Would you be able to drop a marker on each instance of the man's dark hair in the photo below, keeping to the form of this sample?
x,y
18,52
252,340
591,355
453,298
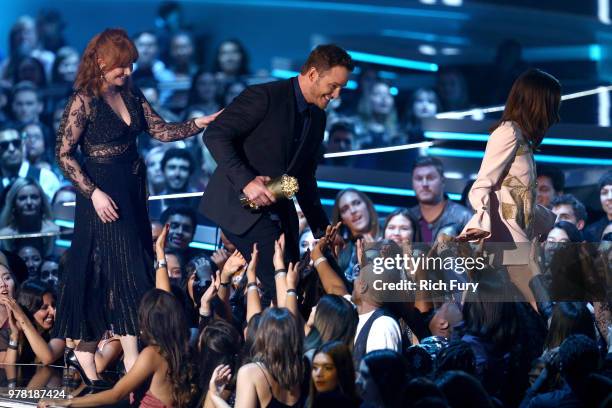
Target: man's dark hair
x,y
605,180
555,175
326,56
426,161
342,126
180,210
458,355
176,153
25,86
569,199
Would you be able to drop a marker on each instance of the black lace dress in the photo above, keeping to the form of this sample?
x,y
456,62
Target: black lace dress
x,y
109,266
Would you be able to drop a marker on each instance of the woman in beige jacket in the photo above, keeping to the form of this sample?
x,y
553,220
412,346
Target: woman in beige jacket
x,y
503,195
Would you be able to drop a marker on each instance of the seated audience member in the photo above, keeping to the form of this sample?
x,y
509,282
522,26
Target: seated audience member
x,y
26,210
13,165
381,379
231,61
155,175
378,117
398,227
33,259
35,147
567,208
435,213
333,376
49,273
177,167
341,139
359,220
182,222
307,242
594,231
550,184
204,93
149,67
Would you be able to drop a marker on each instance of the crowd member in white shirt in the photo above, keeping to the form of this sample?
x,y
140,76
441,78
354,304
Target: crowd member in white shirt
x,y
376,329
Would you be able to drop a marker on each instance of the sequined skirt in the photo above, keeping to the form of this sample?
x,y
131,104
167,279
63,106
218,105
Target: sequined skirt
x,y
109,267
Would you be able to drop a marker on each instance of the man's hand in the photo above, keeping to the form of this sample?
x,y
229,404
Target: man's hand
x,y
257,192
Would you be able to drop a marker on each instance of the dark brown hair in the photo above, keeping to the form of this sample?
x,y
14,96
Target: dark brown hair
x,y
325,57
279,346
533,104
163,324
115,48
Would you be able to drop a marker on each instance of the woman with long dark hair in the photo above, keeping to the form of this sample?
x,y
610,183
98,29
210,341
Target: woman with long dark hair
x,y
110,265
333,376
164,361
503,194
274,377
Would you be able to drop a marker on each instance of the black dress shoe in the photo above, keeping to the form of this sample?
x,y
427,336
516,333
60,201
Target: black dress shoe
x,y
73,361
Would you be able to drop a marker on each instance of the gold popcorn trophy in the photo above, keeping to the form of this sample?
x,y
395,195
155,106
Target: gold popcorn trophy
x,y
284,186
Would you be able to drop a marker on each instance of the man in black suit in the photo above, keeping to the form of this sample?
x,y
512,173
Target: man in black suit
x,y
267,131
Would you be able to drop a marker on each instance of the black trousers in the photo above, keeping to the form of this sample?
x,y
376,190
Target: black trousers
x,y
264,232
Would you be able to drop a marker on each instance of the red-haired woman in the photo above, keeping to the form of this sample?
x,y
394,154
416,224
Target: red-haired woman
x,y
110,264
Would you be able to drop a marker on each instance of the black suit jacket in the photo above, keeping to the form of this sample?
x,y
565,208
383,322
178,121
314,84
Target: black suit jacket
x,y
254,136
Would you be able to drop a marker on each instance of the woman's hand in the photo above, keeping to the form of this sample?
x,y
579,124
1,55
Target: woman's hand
x,y
203,121
15,311
219,379
209,294
219,257
293,275
105,206
46,403
160,244
233,264
279,253
473,234
252,268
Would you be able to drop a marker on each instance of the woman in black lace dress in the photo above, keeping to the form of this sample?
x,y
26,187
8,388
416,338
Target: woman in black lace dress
x,y
110,262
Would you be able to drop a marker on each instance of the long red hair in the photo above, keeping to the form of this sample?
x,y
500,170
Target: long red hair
x,y
114,47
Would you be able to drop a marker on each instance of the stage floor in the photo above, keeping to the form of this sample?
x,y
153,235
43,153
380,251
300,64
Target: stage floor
x,y
23,385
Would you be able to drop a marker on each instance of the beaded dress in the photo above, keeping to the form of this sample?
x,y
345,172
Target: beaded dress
x,y
109,265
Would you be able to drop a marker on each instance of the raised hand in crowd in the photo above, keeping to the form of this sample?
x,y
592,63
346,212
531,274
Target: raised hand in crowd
x,y
162,280
209,294
219,257
218,381
280,270
253,299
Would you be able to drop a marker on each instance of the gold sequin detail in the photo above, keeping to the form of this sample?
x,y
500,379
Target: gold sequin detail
x,y
521,209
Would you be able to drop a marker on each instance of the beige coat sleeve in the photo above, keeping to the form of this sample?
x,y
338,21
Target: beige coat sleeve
x,y
499,154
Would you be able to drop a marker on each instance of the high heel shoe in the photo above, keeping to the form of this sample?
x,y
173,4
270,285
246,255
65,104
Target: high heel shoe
x,y
71,360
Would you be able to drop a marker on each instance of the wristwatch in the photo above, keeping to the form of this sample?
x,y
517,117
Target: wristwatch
x,y
160,263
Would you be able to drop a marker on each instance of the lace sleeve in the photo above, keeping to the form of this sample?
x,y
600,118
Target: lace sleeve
x,y
159,129
70,130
